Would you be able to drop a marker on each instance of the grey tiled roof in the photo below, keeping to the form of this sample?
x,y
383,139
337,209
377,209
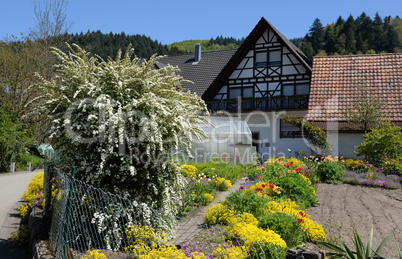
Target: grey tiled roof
x,y
204,72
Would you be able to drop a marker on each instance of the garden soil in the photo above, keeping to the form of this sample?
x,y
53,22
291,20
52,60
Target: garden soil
x,y
344,207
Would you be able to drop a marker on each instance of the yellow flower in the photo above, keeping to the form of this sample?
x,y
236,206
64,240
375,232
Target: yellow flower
x,y
252,234
311,230
95,254
222,252
209,197
188,170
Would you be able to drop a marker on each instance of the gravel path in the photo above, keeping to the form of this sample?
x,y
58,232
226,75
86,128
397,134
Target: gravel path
x,y
344,207
191,225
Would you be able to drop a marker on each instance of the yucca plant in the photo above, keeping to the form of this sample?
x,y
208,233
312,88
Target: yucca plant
x,y
362,252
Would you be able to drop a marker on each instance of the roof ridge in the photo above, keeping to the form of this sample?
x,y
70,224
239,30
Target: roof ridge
x,y
356,55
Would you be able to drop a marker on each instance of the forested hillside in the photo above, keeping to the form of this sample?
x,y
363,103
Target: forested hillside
x,y
107,45
219,43
362,35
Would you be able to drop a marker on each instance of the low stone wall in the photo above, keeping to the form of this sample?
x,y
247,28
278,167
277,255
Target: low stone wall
x,y
305,253
38,239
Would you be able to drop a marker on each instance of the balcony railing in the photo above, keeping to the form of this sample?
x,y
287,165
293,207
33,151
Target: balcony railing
x,y
260,104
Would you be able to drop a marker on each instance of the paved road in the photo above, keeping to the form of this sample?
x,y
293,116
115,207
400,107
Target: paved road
x,y
12,186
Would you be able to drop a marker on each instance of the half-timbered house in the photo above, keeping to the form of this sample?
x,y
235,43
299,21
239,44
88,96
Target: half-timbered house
x,y
267,77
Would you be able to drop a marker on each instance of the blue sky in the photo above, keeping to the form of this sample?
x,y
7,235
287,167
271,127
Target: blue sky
x,y
172,21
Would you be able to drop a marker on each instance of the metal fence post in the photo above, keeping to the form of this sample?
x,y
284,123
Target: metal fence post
x,y
69,211
47,190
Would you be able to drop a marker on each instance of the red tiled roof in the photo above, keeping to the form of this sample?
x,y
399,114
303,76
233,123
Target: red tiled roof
x,y
334,81
345,126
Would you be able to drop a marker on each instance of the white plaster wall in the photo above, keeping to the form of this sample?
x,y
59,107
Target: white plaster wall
x,y
268,126
344,143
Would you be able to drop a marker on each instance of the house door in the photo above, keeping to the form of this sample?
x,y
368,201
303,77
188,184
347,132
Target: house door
x,y
256,143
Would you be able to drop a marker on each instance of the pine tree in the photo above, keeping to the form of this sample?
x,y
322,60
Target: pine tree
x,y
331,36
379,37
391,37
307,49
316,35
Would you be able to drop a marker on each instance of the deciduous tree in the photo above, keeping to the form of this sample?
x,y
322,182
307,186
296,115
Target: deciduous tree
x,y
367,109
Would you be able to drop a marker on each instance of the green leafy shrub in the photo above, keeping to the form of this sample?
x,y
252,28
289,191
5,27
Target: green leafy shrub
x,y
221,184
267,250
285,225
20,236
330,172
250,202
23,159
356,165
199,192
227,170
310,173
393,166
13,137
294,186
382,144
316,136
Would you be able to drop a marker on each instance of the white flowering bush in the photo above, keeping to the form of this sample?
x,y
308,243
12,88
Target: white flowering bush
x,y
121,122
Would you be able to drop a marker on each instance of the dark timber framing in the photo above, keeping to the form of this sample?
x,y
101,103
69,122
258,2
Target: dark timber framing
x,y
260,85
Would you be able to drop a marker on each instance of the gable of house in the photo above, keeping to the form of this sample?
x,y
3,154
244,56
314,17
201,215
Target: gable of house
x,y
268,72
334,81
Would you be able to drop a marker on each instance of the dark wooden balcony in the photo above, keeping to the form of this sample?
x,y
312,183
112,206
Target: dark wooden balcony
x,y
259,104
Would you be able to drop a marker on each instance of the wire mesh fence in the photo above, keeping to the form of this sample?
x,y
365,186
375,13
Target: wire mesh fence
x,y
87,218
90,223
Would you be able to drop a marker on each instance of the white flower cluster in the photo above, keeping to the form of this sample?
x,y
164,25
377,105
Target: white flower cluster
x,y
122,122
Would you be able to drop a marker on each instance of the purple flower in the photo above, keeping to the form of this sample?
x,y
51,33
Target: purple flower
x,y
381,183
39,202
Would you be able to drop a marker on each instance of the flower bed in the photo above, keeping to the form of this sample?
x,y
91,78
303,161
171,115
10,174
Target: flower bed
x,y
374,179
205,179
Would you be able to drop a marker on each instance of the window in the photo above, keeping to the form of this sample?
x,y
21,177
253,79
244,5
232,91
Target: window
x,y
275,58
234,93
289,131
271,58
302,89
261,59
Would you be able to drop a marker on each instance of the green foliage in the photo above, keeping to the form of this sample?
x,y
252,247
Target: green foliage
x,y
227,170
330,172
285,225
107,45
368,109
247,202
354,36
20,236
392,166
23,159
316,136
381,144
13,137
294,187
361,251
267,250
219,43
356,165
